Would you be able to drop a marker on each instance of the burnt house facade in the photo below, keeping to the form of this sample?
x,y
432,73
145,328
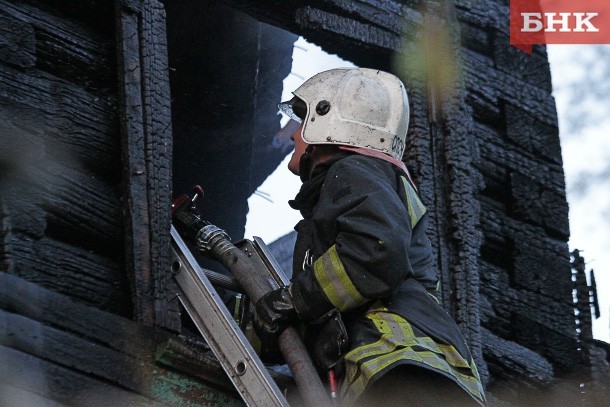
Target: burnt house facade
x,y
109,108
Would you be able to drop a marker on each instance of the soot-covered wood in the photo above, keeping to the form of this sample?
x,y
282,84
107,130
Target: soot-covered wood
x,y
146,150
61,223
490,174
78,353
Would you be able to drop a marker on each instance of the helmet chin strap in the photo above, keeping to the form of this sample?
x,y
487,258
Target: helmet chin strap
x,y
305,163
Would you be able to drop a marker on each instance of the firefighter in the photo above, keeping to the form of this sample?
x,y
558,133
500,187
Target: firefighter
x,y
362,252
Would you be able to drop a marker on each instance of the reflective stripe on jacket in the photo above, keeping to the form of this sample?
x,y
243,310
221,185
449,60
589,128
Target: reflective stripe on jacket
x,y
386,340
365,229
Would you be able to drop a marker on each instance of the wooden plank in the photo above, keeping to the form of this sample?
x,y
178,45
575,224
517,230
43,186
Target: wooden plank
x,y
88,341
365,32
394,16
157,127
188,354
80,127
532,135
73,271
23,162
29,380
18,42
88,358
43,195
539,264
136,214
67,45
80,206
496,86
313,19
507,301
54,309
146,143
532,68
533,202
70,351
496,158
507,358
456,188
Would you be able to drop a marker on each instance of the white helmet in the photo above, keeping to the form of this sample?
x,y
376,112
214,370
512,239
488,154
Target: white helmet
x,y
355,107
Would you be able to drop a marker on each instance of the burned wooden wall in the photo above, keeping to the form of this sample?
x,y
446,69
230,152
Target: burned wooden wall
x,y
61,185
86,155
88,313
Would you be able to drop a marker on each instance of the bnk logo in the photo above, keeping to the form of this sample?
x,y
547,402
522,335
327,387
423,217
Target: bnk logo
x,y
559,22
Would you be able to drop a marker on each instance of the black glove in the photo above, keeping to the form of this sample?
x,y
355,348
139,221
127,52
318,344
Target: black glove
x,y
273,312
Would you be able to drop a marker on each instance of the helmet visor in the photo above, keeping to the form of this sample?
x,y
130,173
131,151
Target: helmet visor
x,y
294,108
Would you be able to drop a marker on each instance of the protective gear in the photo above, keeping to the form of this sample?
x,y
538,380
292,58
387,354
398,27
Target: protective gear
x,y
326,340
273,312
365,228
353,106
295,108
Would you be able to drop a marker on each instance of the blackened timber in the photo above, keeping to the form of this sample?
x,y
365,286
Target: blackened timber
x,y
88,358
537,256
189,354
158,133
493,14
364,32
80,127
509,301
136,216
63,340
458,202
40,382
71,270
146,128
507,360
332,24
62,311
19,44
392,16
497,156
496,86
536,137
66,48
89,211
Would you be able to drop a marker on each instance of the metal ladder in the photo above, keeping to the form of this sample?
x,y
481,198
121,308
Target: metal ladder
x,y
215,323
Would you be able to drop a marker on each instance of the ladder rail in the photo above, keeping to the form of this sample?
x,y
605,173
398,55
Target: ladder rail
x,y
237,357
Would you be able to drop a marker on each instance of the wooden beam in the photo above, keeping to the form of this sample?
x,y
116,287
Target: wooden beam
x,y
146,144
63,350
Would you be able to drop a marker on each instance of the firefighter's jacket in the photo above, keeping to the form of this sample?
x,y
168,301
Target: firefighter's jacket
x,y
362,248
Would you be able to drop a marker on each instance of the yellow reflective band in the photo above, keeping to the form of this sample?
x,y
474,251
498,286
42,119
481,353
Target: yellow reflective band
x,y
453,357
396,343
415,206
372,367
384,345
393,325
395,331
335,282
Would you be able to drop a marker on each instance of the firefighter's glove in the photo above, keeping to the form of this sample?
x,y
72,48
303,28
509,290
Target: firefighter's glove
x,y
188,222
273,312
